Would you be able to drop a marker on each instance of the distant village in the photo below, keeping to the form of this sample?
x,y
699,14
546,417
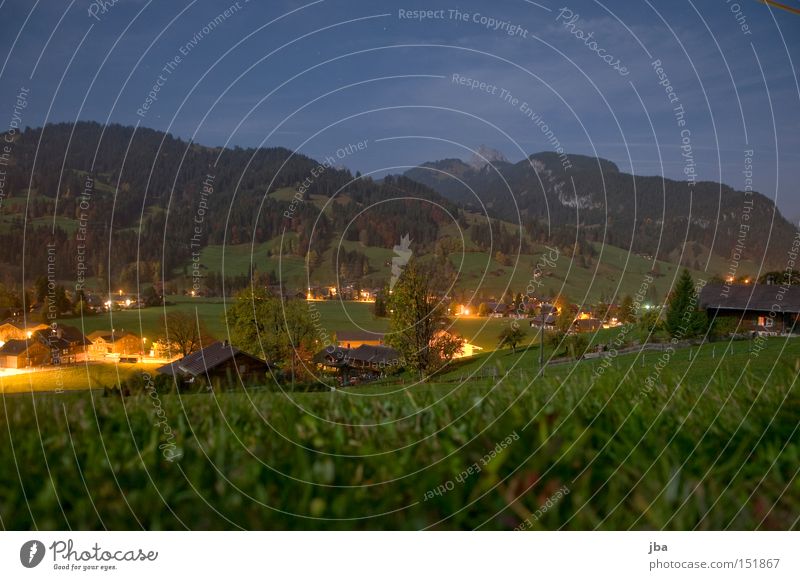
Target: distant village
x,y
361,356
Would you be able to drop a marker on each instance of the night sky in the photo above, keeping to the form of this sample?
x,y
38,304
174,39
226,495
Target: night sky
x,y
323,75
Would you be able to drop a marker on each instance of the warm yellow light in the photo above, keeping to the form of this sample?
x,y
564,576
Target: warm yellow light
x,y
120,292
192,292
30,334
128,302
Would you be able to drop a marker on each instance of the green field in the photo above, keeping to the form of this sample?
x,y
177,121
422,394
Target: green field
x,y
710,447
692,365
71,378
148,322
613,273
335,315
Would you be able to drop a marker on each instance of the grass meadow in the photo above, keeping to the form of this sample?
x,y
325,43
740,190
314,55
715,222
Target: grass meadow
x,y
613,272
334,315
709,444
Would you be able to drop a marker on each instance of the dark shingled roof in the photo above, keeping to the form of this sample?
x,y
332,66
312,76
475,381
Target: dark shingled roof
x,y
757,297
15,347
364,355
537,320
375,355
588,323
200,362
63,334
19,325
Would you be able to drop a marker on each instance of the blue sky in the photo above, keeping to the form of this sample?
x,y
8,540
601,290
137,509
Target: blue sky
x,y
318,76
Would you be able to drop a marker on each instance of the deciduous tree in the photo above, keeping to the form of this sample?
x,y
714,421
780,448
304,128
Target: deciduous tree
x,y
419,321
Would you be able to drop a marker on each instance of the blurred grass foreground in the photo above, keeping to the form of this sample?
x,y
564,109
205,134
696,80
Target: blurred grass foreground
x,y
610,450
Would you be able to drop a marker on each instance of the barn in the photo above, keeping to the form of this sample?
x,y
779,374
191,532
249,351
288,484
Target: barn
x,y
763,308
219,362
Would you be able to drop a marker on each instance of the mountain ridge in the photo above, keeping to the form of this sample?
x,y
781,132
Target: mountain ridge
x,y
649,214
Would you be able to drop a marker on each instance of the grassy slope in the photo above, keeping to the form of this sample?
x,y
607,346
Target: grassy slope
x,y
148,322
334,315
708,454
78,377
614,272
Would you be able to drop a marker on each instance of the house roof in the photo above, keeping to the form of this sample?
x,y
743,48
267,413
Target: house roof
x,y
364,355
64,333
202,361
15,347
754,297
109,336
66,337
20,325
357,335
548,319
375,354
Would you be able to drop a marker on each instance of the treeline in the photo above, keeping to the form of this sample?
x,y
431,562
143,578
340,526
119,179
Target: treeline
x,y
122,196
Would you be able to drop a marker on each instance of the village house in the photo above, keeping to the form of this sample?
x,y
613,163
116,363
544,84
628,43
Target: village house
x,y
467,349
587,324
219,362
17,329
548,320
763,308
364,363
23,353
494,309
120,343
67,344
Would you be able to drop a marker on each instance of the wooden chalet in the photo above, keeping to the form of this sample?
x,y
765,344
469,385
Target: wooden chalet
x,y
219,362
22,353
763,308
363,363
